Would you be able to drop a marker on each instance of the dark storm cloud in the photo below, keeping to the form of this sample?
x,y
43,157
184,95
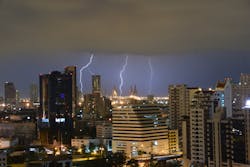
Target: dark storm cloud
x,y
141,26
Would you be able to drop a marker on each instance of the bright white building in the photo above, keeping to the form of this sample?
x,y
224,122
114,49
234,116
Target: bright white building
x,y
139,127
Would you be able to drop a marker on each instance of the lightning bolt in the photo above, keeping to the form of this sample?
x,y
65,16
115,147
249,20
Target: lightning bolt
x,y
84,67
151,76
91,72
121,72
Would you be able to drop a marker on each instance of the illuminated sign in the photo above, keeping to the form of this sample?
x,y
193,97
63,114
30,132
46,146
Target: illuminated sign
x,y
60,119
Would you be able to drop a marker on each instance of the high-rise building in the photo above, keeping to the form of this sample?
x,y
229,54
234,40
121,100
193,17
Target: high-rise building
x,y
224,95
56,107
201,109
96,106
9,93
72,71
139,127
180,97
177,104
218,139
33,93
227,139
96,84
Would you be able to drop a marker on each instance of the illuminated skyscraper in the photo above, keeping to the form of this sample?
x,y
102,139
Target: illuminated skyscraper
x,y
139,126
56,106
9,93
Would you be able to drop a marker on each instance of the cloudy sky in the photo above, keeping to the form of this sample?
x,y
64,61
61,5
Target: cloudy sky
x,y
194,42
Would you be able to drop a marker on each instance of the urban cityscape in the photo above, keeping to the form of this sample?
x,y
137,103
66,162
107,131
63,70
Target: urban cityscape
x,y
124,83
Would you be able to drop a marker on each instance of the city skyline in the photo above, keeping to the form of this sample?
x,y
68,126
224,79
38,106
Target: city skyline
x,y
195,70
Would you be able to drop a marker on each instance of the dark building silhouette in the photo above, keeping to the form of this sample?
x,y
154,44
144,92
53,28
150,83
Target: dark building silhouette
x,y
9,93
226,140
56,106
72,71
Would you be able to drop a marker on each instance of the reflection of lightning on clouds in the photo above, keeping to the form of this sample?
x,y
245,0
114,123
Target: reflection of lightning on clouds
x,y
84,67
151,76
121,76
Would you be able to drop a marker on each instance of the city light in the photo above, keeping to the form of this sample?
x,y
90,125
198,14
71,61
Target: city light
x,y
247,104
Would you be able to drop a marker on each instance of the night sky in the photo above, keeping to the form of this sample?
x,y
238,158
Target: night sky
x,y
193,42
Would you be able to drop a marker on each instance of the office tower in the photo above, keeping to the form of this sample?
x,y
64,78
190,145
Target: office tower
x,y
72,71
139,127
33,93
201,109
56,107
9,93
96,84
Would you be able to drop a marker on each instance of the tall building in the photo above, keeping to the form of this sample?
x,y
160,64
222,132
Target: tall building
x,y
71,70
228,139
56,107
96,106
177,104
33,93
139,127
96,84
218,139
9,93
201,109
224,95
180,97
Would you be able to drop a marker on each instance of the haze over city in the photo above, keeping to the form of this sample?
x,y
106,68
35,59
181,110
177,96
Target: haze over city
x,y
208,40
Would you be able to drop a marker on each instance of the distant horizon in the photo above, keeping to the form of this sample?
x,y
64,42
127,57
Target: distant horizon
x,y
197,70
